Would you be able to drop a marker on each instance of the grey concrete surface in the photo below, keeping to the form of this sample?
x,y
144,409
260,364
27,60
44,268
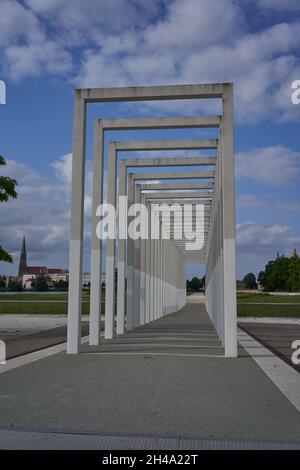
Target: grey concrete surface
x,y
187,332
13,325
150,394
275,320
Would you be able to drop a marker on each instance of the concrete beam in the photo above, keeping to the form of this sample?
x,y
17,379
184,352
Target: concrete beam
x,y
152,93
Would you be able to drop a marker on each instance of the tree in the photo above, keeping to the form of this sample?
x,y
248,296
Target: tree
x,y
281,275
14,285
195,284
40,283
276,274
7,191
293,281
60,285
260,277
250,281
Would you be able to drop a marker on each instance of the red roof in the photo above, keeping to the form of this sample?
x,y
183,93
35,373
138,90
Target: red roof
x,y
57,271
36,269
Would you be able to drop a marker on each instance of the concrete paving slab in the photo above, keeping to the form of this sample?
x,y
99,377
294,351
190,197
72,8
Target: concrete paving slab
x,y
189,331
187,396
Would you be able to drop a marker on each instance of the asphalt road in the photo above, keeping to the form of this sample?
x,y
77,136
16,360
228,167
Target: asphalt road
x,y
278,338
25,344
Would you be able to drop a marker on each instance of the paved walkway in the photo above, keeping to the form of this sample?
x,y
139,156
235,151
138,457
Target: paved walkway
x,y
165,379
188,332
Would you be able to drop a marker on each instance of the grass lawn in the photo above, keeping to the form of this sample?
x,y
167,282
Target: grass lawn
x,y
267,298
41,296
247,304
252,310
37,303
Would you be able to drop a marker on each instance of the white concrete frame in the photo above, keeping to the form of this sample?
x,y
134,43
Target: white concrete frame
x,y
137,313
132,274
165,286
114,147
226,264
100,126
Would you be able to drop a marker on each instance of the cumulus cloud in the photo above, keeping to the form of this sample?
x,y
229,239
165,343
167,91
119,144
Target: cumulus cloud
x,y
41,212
42,207
275,166
192,23
261,64
25,47
255,238
63,169
80,21
35,59
133,42
17,22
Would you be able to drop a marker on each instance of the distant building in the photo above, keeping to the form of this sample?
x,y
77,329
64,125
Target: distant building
x,y
36,270
23,259
294,254
27,281
58,275
86,279
27,274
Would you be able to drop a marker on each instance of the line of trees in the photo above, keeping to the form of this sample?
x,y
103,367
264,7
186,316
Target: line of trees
x,y
280,275
195,284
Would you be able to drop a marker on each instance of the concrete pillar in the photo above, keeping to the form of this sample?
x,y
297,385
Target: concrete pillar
x,y
229,263
96,249
143,274
136,268
76,230
110,249
130,267
122,254
148,271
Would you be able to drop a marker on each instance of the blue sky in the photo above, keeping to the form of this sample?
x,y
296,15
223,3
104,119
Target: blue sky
x,y
50,47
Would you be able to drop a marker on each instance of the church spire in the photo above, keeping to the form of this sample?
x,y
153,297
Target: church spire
x,y
23,259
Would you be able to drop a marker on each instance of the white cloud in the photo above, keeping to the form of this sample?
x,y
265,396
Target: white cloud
x,y
262,65
41,212
26,48
80,21
63,169
17,22
133,42
276,166
254,238
37,58
195,23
